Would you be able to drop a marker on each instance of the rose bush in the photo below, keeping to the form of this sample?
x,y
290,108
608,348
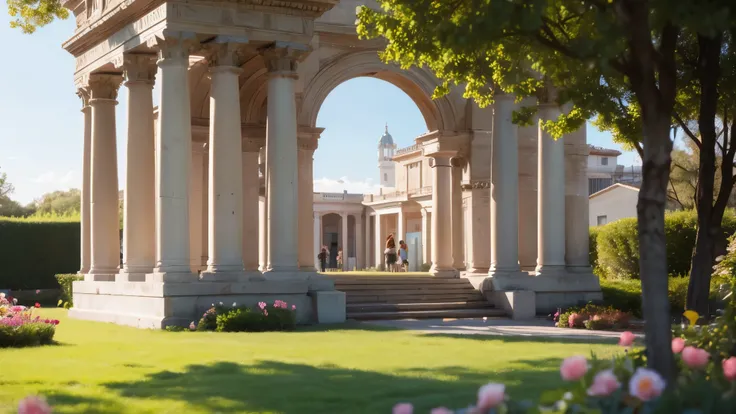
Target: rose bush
x,y
19,327
280,316
593,317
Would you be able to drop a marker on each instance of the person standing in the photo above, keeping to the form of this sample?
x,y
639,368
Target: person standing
x,y
390,253
339,260
404,255
322,256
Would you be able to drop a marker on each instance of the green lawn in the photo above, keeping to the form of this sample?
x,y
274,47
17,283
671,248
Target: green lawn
x,y
105,368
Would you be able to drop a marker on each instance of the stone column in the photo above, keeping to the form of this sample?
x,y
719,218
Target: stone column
x,y
317,238
426,237
576,203
197,200
305,155
441,211
358,241
204,224
251,184
105,225
400,226
551,198
84,225
226,167
479,229
379,244
367,244
504,191
458,239
173,153
282,163
528,162
263,233
139,226
345,250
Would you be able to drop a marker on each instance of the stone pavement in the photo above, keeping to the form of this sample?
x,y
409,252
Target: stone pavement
x,y
538,328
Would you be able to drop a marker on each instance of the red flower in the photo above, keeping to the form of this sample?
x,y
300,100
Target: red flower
x,y
46,321
37,305
55,321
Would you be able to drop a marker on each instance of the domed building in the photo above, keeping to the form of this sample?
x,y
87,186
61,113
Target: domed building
x,y
386,165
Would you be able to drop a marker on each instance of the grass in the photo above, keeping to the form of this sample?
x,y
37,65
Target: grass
x,y
105,368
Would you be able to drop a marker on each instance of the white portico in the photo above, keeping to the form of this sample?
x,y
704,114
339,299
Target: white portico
x,y
219,201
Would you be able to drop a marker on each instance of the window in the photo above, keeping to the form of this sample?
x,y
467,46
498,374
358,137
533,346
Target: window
x,y
602,220
597,184
604,160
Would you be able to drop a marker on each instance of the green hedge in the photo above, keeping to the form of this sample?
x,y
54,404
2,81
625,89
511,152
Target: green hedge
x,y
32,251
65,281
616,244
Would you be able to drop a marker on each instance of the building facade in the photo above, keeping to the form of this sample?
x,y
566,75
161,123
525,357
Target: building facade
x,y
242,82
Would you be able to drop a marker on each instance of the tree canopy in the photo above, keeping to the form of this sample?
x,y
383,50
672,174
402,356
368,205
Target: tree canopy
x,y
28,15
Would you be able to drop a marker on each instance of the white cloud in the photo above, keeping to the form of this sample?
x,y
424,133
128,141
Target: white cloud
x,y
331,185
51,177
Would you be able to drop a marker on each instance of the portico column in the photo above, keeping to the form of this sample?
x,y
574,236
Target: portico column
x,y
173,153
441,211
226,167
358,241
197,200
305,155
551,198
105,235
84,225
504,191
379,244
426,237
401,226
458,245
263,232
282,162
317,238
251,213
139,226
344,223
577,230
367,244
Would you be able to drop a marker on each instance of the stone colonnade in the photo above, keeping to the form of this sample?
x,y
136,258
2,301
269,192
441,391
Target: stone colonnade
x,y
160,242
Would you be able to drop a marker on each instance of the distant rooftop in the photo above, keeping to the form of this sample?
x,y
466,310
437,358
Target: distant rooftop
x,y
595,150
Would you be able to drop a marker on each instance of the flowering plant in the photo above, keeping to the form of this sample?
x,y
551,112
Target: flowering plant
x,y
593,317
618,386
263,317
19,327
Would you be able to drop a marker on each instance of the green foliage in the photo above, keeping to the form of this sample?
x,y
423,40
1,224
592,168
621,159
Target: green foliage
x,y
264,318
29,334
617,244
32,251
65,281
31,14
62,203
593,246
594,317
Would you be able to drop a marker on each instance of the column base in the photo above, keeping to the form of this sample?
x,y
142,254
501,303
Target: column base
x,y
243,276
100,277
550,271
443,273
176,277
128,276
476,271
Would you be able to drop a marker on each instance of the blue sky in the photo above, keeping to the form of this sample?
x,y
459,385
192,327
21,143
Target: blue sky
x,y
41,124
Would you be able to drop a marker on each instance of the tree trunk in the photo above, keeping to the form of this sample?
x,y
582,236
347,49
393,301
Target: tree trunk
x,y
708,224
652,246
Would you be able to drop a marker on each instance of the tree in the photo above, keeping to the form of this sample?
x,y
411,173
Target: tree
x,y
31,14
59,202
5,187
615,59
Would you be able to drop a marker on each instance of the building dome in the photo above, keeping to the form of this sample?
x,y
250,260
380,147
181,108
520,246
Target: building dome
x,y
386,139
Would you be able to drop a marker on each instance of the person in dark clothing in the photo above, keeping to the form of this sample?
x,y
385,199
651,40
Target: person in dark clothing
x,y
322,256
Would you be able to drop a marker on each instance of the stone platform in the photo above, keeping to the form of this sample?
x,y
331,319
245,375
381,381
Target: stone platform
x,y
155,305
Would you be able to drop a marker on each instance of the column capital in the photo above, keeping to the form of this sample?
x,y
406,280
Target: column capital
x,y
139,68
440,159
458,161
83,94
173,47
104,86
282,58
307,143
227,51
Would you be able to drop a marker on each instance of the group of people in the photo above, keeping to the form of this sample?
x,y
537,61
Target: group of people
x,y
396,262
324,255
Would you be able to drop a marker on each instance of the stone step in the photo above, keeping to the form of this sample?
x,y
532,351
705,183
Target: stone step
x,y
398,280
392,288
416,298
395,307
427,314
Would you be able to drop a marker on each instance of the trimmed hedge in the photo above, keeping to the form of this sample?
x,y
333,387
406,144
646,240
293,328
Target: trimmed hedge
x,y
32,251
65,281
617,244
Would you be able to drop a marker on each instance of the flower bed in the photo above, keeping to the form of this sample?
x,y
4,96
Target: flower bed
x,y
593,317
19,327
621,385
277,317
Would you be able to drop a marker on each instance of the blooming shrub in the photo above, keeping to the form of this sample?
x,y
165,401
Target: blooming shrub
x,y
619,386
593,317
19,328
277,317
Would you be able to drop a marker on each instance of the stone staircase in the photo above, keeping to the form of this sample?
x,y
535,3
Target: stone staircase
x,y
411,297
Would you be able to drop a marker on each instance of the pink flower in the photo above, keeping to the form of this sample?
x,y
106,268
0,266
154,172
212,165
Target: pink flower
x,y
729,368
678,344
440,410
37,305
491,395
694,357
33,405
574,368
403,408
17,309
646,384
293,307
627,338
262,305
604,383
571,320
192,326
265,312
38,291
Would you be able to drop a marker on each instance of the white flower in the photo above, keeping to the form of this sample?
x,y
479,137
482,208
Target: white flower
x,y
567,396
234,304
646,384
2,295
220,303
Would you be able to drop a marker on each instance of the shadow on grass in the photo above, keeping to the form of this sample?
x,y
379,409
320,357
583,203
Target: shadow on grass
x,y
272,386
